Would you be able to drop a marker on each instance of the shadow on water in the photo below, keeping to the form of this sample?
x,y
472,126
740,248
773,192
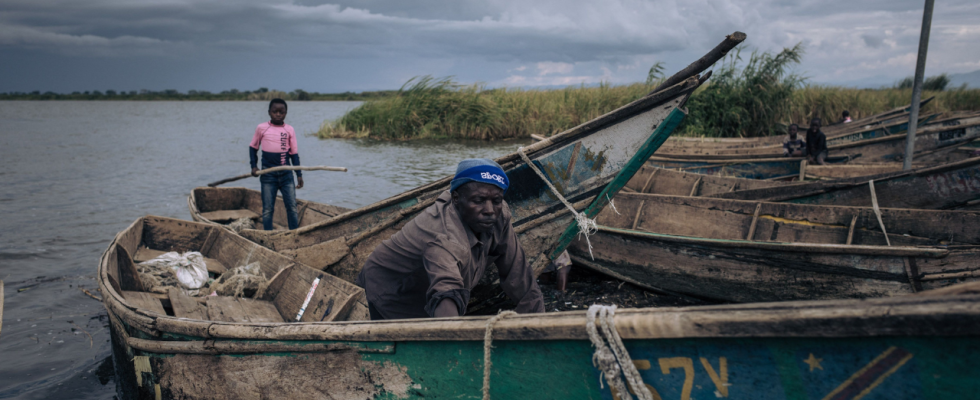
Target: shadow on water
x,y
83,171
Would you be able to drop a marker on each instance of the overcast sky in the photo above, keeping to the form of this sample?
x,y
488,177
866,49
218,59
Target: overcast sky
x,y
69,45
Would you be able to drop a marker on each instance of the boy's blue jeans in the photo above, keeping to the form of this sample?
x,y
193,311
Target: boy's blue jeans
x,y
281,181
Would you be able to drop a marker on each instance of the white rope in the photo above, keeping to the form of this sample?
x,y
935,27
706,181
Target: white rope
x,y
613,205
612,358
586,225
487,341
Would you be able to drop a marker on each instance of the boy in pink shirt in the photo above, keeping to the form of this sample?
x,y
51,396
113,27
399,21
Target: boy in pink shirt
x,y
278,143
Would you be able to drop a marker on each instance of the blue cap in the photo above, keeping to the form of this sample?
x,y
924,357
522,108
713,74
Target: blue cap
x,y
479,170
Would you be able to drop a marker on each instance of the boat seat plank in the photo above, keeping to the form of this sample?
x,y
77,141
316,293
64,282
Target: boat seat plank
x,y
260,311
230,215
144,300
233,309
225,309
186,307
147,254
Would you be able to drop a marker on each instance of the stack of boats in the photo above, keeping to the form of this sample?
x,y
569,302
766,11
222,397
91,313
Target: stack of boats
x,y
853,278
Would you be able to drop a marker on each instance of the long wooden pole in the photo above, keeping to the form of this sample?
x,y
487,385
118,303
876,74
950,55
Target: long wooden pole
x,y
277,169
705,62
920,69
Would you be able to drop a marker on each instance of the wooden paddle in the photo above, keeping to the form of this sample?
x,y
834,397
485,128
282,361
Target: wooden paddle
x,y
276,169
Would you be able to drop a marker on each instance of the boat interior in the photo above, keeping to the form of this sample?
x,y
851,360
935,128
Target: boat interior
x,y
294,292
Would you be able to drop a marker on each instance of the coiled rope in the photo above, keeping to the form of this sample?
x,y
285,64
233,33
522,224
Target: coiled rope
x,y
586,225
612,358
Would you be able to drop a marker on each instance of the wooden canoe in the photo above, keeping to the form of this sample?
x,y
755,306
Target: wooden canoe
x,y
773,144
930,139
921,346
588,164
745,251
871,123
949,186
225,205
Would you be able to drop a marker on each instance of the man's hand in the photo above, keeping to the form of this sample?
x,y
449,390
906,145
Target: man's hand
x,y
255,172
299,184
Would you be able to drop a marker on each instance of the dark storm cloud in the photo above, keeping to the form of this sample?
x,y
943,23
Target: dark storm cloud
x,y
373,44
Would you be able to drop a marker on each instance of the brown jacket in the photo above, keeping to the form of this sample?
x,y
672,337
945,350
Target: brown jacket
x,y
435,257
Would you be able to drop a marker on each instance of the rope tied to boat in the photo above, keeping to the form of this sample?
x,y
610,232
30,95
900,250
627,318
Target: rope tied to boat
x,y
611,356
586,225
487,346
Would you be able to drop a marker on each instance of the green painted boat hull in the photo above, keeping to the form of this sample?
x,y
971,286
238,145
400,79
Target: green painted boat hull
x,y
732,368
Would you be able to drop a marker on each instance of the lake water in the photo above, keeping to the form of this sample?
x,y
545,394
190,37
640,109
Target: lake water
x,y
76,173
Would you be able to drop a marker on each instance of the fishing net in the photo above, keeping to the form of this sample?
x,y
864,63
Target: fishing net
x,y
241,224
244,281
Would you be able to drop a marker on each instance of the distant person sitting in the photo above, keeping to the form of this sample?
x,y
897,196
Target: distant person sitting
x,y
278,142
816,148
794,146
845,117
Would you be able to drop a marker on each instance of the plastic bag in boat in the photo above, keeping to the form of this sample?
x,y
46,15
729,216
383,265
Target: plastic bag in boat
x,y
190,268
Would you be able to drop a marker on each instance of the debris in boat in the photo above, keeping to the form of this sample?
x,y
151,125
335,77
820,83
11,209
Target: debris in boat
x,y
241,224
587,287
244,281
167,270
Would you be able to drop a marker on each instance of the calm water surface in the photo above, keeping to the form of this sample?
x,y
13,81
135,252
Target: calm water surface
x,y
76,173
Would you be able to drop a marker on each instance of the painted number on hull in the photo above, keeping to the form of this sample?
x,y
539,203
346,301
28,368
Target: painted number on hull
x,y
685,365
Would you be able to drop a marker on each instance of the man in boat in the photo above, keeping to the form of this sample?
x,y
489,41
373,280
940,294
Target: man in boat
x,y
278,142
428,268
816,143
794,146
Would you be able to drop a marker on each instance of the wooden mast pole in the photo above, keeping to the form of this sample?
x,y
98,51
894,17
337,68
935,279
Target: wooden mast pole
x,y
920,69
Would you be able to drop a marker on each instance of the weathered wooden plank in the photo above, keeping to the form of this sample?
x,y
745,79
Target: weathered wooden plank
x,y
226,309
260,311
129,278
186,307
144,301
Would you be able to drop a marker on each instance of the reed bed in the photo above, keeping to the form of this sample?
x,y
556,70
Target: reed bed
x,y
439,108
760,99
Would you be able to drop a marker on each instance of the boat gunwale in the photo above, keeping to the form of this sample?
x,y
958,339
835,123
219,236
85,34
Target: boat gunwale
x,y
897,251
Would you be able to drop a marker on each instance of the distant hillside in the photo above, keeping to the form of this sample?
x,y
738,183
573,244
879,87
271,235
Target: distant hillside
x,y
971,79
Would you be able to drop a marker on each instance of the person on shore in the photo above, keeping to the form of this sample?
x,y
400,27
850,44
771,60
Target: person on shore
x,y
428,268
816,149
845,117
278,142
794,146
